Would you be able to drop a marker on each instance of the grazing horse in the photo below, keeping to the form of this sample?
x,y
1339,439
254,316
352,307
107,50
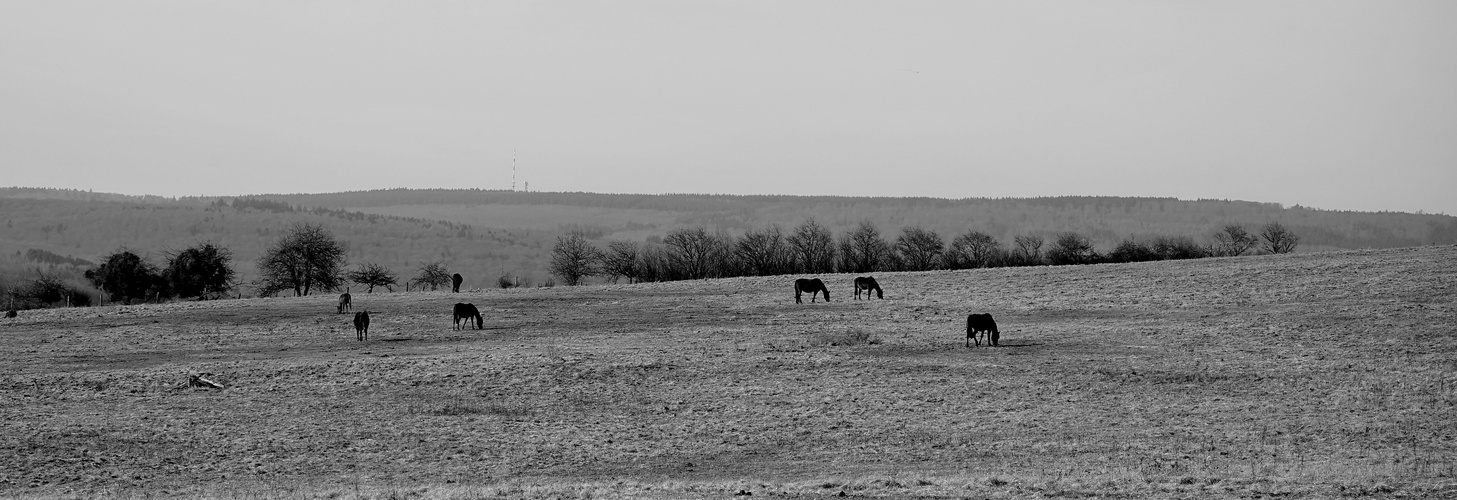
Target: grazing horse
x,y
455,280
361,325
868,284
981,323
468,312
811,286
344,304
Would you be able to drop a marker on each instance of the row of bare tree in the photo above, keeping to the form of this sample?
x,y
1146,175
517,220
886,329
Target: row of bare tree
x,y
810,248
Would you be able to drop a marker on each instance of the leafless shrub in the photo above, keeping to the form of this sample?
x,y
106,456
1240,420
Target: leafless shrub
x,y
433,274
1233,240
1071,248
505,281
1028,251
1178,247
1278,238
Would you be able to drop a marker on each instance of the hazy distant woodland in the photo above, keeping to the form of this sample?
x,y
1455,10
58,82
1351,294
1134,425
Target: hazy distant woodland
x,y
485,234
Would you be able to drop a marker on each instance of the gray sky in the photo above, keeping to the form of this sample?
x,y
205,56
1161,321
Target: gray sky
x,y
1329,104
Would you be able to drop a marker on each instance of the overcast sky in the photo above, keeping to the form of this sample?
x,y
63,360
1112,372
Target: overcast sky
x,y
1329,104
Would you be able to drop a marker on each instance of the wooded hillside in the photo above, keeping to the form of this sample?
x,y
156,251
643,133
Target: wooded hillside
x,y
1104,219
486,234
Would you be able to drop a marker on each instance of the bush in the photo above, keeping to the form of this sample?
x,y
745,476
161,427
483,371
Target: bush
x,y
434,275
1070,249
126,276
1178,247
1132,251
47,290
204,271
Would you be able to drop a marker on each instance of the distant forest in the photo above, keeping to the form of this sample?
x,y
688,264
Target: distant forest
x,y
1106,220
485,234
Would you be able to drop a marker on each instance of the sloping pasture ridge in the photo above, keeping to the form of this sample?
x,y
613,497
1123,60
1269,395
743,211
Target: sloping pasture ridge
x,y
1304,376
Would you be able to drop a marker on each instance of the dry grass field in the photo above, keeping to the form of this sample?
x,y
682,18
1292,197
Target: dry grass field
x,y
1308,376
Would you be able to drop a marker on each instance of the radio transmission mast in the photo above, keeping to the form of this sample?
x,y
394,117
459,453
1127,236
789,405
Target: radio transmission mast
x,y
513,170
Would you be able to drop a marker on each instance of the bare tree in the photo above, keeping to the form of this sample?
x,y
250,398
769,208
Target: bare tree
x,y
814,247
695,253
971,250
434,275
764,252
307,258
920,249
1233,240
372,275
621,259
862,250
1029,249
1278,239
574,258
656,264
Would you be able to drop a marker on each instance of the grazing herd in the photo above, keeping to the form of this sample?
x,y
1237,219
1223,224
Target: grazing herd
x,y
976,324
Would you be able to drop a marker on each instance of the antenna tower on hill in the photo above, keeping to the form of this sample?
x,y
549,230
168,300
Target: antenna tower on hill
x,y
513,170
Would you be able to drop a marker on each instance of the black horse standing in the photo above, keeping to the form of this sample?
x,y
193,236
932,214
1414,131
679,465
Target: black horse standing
x,y
455,280
867,284
467,312
810,286
361,325
981,323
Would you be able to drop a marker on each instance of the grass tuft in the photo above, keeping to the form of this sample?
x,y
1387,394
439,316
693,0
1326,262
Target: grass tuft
x,y
852,337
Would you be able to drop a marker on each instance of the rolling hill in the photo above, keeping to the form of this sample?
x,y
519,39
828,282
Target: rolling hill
x,y
487,234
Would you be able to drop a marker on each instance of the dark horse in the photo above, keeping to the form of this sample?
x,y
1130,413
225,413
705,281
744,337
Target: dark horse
x,y
361,325
455,280
869,285
344,303
811,286
468,312
981,323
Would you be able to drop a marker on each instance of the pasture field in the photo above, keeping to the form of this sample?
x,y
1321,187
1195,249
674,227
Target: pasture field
x,y
1297,376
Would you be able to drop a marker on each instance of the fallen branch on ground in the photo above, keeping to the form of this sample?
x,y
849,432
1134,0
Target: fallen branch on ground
x,y
197,380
